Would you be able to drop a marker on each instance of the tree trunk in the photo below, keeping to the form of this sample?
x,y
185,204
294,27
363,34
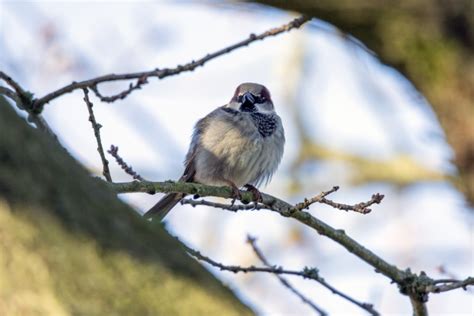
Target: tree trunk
x,y
68,245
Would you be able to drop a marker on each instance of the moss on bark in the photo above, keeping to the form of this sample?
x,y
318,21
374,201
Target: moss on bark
x,y
69,246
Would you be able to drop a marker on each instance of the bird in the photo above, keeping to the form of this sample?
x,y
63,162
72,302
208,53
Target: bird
x,y
239,144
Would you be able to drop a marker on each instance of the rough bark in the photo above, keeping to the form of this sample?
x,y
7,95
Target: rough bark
x,y
69,246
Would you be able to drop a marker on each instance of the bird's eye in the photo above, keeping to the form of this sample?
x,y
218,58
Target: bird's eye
x,y
260,100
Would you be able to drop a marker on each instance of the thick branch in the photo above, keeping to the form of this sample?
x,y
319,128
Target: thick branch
x,y
276,205
162,73
419,307
409,283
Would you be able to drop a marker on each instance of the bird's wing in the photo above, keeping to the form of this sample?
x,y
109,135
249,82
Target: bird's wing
x,y
189,162
199,129
190,169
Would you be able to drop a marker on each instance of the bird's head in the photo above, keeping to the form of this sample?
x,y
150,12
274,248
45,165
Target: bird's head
x,y
252,97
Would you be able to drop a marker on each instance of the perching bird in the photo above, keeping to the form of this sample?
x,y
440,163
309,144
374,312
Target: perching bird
x,y
240,143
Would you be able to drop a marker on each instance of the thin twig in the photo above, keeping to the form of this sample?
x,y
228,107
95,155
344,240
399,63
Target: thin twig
x,y
450,285
227,207
362,207
306,203
12,83
121,95
125,167
96,127
166,72
285,282
306,273
9,93
315,274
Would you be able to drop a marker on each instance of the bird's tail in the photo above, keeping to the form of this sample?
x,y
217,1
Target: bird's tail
x,y
161,209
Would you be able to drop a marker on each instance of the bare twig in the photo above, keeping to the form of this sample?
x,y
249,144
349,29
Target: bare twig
x,y
9,93
125,167
317,199
121,95
12,83
315,274
449,285
166,72
362,207
285,282
227,207
96,127
306,273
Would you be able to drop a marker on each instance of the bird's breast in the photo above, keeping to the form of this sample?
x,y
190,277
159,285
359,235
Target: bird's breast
x,y
234,149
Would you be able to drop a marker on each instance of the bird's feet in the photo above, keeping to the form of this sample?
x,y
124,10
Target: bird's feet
x,y
257,196
235,191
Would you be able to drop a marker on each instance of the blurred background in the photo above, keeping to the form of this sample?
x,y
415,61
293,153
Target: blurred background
x,y
350,120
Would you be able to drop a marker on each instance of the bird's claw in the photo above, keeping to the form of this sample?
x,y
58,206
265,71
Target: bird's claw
x,y
257,196
235,194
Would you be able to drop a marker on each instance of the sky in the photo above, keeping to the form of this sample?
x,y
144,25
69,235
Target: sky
x,y
334,90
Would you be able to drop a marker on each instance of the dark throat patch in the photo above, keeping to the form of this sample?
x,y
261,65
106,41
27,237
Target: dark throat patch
x,y
266,124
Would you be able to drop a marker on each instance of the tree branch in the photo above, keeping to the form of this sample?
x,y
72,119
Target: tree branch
x,y
24,101
450,285
317,199
96,127
253,243
276,205
161,73
227,207
9,93
12,83
314,273
362,207
415,286
306,273
113,151
419,307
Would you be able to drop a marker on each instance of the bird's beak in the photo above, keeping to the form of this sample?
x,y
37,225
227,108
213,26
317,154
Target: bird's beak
x,y
247,103
248,97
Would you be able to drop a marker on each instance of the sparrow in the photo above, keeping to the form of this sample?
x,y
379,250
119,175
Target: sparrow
x,y
238,144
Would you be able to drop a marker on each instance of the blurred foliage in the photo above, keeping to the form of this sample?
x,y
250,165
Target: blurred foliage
x,y
69,246
431,43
